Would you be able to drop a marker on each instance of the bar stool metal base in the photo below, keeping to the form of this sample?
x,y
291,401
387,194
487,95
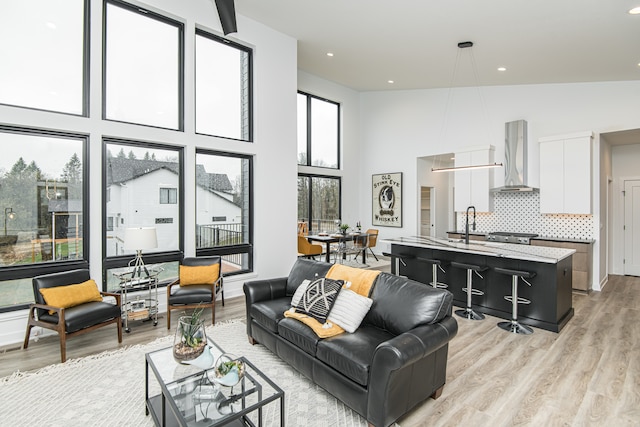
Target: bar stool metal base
x,y
470,314
515,327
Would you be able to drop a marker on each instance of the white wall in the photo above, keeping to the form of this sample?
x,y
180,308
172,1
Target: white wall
x,y
274,147
625,160
412,122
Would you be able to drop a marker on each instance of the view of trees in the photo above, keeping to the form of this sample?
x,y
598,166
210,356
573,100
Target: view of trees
x,y
26,192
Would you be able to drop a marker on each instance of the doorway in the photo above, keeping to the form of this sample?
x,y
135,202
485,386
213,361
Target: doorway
x,y
632,228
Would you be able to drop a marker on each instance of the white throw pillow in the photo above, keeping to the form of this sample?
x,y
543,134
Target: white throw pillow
x,y
300,290
349,310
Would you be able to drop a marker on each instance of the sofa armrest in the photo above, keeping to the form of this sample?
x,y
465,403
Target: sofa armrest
x,y
396,367
262,290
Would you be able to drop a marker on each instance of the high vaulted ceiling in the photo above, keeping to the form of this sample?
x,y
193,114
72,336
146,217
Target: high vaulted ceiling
x,y
414,42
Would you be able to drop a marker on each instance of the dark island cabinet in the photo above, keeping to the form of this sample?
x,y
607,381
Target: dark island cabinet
x,y
550,296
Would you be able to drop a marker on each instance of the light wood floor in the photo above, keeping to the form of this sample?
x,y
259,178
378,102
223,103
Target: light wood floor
x,y
587,375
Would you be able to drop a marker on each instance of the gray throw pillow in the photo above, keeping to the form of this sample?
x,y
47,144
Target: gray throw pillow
x,y
349,310
319,297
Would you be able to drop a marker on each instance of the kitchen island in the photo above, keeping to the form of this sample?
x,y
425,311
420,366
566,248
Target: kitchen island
x,y
550,297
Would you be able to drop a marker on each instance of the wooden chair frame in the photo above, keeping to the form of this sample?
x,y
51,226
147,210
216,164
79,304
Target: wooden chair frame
x,y
60,326
216,288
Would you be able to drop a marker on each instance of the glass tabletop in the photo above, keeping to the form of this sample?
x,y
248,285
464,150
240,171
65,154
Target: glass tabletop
x,y
197,399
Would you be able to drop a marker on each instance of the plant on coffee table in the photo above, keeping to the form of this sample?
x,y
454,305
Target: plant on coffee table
x,y
190,339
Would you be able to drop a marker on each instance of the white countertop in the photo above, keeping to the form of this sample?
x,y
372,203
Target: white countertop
x,y
504,250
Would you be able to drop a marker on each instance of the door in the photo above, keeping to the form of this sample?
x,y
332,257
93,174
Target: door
x,y
427,211
632,228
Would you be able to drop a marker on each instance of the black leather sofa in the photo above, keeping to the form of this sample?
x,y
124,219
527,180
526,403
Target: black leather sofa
x,y
396,359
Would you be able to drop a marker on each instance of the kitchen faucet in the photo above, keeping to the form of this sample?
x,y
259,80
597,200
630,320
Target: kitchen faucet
x,y
466,230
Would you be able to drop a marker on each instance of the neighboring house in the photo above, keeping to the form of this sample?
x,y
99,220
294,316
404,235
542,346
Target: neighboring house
x,y
156,182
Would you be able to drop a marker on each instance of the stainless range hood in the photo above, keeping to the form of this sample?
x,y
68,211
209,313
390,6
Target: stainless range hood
x,y
515,158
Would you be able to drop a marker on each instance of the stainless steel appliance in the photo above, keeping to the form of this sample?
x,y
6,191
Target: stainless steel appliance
x,y
515,158
509,237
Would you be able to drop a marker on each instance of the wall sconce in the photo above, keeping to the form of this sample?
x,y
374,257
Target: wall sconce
x,y
8,213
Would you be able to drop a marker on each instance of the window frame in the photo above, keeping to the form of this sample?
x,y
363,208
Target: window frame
x,y
86,49
244,248
311,176
203,33
309,112
25,271
169,194
181,60
119,261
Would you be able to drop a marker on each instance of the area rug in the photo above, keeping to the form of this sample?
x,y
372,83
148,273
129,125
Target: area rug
x,y
107,389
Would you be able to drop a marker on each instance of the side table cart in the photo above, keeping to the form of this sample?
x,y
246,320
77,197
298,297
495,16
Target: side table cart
x,y
133,280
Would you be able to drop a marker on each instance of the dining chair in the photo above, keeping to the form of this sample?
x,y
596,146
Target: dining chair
x,y
372,234
350,246
307,249
303,228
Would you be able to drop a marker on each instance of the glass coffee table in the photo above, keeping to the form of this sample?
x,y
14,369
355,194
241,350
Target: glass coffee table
x,y
184,395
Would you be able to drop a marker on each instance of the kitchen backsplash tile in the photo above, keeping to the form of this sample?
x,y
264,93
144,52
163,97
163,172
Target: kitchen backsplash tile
x,y
520,213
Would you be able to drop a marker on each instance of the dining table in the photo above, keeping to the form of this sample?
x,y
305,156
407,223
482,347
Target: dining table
x,y
329,238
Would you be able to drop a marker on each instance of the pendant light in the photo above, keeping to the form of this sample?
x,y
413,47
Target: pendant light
x,y
463,45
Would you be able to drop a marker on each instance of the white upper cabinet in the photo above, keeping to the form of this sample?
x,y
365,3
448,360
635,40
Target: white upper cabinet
x,y
472,187
565,174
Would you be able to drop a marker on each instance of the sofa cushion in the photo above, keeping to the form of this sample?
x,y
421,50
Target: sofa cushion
x,y
305,269
319,297
352,354
269,313
298,334
401,304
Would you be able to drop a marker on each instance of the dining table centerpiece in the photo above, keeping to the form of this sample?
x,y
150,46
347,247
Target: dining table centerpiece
x,y
344,228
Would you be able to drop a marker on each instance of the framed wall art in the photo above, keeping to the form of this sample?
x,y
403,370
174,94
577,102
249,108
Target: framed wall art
x,y
387,199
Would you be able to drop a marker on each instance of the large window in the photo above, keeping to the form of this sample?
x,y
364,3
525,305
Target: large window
x,y
223,87
43,49
43,205
319,201
318,132
223,209
143,67
135,174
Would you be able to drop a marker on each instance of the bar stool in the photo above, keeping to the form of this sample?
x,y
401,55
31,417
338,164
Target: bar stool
x,y
397,259
513,325
435,265
468,312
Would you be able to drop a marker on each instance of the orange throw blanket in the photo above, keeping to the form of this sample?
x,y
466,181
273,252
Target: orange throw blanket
x,y
361,283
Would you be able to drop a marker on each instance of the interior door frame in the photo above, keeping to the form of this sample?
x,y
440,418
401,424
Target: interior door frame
x,y
625,201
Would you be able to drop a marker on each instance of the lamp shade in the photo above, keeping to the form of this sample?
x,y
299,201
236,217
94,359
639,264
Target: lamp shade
x,y
140,238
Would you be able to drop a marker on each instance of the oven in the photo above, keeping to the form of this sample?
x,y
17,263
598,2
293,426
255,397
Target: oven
x,y
510,237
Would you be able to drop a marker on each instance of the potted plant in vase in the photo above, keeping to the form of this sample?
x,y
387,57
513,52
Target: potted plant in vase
x,y
190,339
344,228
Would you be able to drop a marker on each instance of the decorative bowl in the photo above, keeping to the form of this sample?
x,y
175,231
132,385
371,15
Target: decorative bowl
x,y
229,370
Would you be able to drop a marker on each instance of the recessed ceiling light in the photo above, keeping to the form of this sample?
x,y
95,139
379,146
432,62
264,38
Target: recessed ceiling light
x,y
635,11
329,53
502,69
51,25
390,81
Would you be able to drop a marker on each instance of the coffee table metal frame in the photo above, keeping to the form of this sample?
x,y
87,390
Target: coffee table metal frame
x,y
157,405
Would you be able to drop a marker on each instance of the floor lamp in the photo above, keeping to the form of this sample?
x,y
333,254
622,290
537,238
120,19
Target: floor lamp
x,y
140,239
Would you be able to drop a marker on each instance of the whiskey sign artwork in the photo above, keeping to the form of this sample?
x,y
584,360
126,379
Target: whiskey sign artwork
x,y
387,200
